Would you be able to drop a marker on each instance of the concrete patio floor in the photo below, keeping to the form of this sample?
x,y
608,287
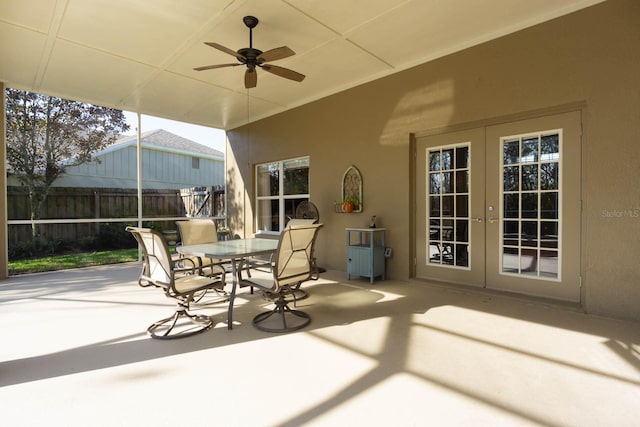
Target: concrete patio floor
x,y
75,353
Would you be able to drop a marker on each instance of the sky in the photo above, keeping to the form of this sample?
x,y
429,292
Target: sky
x,y
214,138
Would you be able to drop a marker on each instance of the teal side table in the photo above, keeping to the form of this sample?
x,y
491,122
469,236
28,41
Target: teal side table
x,y
365,253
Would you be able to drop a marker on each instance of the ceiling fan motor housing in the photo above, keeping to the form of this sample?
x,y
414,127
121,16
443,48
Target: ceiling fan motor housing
x,y
250,56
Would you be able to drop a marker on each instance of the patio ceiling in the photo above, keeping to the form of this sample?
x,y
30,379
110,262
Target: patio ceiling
x,y
138,55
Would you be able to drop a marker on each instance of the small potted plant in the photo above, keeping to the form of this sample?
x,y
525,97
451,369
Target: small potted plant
x,y
349,204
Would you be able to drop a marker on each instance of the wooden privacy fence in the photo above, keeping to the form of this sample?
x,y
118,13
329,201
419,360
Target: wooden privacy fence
x,y
203,201
96,203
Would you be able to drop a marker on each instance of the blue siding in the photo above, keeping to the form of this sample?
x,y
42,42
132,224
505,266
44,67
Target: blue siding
x,y
161,170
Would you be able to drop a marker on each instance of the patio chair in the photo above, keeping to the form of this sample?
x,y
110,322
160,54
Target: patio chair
x,y
292,265
180,284
296,292
306,214
265,263
197,231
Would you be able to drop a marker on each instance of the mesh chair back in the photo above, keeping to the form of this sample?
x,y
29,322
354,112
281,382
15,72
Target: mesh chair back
x,y
297,222
157,258
293,261
196,231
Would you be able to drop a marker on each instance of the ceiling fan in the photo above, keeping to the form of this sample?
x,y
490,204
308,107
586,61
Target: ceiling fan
x,y
253,58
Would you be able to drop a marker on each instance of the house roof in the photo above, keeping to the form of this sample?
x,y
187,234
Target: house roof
x,y
139,55
167,141
158,139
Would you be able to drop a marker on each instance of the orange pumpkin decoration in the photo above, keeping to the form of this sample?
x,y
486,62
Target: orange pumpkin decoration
x,y
348,206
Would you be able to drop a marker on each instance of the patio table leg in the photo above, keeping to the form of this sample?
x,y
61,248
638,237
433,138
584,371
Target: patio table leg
x,y
234,281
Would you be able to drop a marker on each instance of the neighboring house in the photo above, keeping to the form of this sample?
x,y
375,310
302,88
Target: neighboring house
x,y
169,162
180,177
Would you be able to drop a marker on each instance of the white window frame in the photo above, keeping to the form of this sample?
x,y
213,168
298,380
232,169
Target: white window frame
x,y
280,197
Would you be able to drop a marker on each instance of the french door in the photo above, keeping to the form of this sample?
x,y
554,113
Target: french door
x,y
499,207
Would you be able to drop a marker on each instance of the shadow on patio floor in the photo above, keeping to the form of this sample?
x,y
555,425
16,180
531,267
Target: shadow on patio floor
x,y
403,352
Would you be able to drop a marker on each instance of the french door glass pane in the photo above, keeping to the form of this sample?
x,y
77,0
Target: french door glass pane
x,y
449,180
462,255
550,147
529,262
531,206
530,150
549,234
549,176
434,161
462,205
511,150
462,157
462,231
529,234
434,206
549,205
462,181
510,260
511,178
549,264
434,183
447,159
510,233
447,206
511,205
530,177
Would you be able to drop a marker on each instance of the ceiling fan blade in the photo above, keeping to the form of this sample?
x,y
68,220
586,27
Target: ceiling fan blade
x,y
225,50
250,78
283,72
211,67
275,54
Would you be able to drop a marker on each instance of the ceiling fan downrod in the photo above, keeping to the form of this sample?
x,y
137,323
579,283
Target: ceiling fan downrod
x,y
251,22
249,53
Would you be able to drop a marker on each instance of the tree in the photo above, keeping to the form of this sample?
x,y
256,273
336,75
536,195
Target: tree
x,y
46,134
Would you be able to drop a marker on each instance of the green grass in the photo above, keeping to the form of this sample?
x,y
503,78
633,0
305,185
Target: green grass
x,y
63,262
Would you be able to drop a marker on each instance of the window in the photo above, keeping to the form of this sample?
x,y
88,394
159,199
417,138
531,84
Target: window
x,y
195,163
280,187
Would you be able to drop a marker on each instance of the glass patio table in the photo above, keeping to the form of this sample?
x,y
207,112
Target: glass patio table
x,y
235,251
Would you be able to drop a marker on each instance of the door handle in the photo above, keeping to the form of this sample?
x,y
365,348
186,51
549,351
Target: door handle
x,y
492,219
478,219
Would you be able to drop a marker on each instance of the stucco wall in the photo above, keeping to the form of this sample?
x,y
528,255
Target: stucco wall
x,y
591,57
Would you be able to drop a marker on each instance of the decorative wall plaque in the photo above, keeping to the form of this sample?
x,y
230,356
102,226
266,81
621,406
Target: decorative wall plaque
x,y
352,187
